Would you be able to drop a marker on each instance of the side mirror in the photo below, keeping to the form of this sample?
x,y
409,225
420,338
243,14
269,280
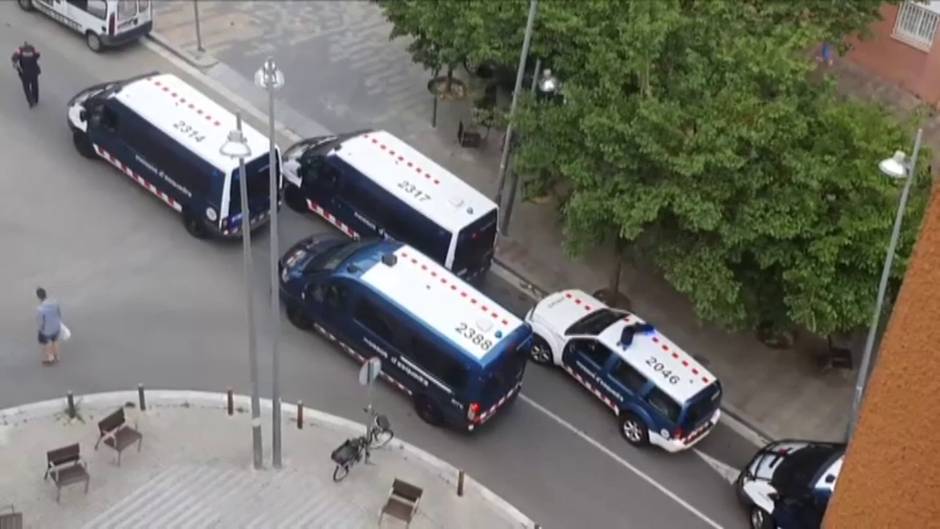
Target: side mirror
x,y
83,115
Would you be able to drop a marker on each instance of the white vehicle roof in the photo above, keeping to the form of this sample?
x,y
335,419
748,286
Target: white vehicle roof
x,y
189,117
693,377
417,180
442,301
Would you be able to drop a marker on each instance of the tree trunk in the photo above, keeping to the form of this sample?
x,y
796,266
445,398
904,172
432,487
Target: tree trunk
x,y
614,283
450,78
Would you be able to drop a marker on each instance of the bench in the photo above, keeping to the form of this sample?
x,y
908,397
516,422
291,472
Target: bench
x,y
402,502
114,431
12,519
66,467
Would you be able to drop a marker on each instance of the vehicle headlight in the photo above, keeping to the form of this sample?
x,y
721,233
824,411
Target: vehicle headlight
x,y
293,259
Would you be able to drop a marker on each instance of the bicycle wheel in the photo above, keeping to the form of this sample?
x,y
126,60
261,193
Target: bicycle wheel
x,y
381,438
340,472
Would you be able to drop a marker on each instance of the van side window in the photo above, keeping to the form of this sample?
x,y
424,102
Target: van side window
x,y
438,363
329,177
109,118
664,404
628,377
336,295
370,316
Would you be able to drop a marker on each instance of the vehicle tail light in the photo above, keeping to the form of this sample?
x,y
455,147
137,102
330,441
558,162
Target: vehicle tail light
x,y
111,25
680,433
473,411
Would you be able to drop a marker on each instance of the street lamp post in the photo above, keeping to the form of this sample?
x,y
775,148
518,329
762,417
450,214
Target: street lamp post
x,y
270,78
236,146
898,166
504,159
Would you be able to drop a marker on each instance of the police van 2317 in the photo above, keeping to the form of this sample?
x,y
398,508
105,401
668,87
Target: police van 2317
x,y
165,135
457,354
660,394
371,184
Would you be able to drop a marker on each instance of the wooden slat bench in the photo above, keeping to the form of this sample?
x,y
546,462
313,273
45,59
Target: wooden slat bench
x,y
65,466
12,519
402,502
114,431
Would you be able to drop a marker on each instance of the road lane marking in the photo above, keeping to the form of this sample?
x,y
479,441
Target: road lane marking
x,y
623,462
726,471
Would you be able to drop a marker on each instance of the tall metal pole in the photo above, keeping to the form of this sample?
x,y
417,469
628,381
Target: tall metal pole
x,y
249,299
198,30
520,72
269,69
862,377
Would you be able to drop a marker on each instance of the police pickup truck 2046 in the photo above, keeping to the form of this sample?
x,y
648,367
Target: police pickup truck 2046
x,y
660,394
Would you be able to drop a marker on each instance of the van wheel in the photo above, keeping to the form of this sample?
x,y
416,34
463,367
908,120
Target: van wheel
x,y
93,41
427,410
634,430
294,199
26,5
759,519
540,353
83,145
297,318
194,225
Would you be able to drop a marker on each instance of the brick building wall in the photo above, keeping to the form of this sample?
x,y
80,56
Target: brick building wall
x,y
891,475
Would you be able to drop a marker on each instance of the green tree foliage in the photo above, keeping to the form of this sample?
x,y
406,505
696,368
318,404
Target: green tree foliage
x,y
695,131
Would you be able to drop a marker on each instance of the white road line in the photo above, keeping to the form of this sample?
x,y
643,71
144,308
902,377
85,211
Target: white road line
x,y
623,462
726,471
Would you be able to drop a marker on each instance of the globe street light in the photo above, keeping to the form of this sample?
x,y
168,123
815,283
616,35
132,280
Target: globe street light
x,y
548,85
270,78
897,167
236,146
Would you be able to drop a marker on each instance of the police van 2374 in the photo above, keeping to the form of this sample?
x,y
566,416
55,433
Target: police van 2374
x,y
165,135
371,184
457,354
660,394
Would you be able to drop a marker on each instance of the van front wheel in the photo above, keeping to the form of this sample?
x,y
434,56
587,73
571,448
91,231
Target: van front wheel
x,y
634,430
93,41
83,145
427,410
296,316
194,225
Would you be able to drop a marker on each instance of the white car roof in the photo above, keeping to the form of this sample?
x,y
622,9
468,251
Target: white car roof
x,y
442,301
166,101
415,179
693,377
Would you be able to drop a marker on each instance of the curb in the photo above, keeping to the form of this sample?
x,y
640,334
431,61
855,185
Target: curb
x,y
200,61
209,400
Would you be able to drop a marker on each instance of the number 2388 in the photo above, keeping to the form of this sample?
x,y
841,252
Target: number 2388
x,y
477,338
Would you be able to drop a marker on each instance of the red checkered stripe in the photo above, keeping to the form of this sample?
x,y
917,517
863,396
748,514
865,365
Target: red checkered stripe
x,y
489,413
327,216
610,404
360,358
397,156
675,354
137,178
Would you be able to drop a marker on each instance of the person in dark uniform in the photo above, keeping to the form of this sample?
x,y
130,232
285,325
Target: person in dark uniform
x,y
26,62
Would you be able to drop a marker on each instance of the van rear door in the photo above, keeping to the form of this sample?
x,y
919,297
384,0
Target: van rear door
x,y
475,245
131,14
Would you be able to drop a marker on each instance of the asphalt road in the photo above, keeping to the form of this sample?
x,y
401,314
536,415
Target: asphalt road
x,y
149,304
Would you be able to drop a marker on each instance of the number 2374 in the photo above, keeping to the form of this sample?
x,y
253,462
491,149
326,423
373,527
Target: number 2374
x,y
477,338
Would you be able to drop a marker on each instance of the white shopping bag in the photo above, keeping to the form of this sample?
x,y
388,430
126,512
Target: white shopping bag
x,y
64,333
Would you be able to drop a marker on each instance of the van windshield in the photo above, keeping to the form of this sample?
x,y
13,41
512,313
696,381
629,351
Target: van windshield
x,y
595,322
475,244
335,256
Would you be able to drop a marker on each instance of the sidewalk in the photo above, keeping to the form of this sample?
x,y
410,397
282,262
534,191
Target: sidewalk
x,y
780,392
194,470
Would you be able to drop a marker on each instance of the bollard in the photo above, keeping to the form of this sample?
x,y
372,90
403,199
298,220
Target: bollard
x,y
71,402
231,401
300,415
140,397
460,483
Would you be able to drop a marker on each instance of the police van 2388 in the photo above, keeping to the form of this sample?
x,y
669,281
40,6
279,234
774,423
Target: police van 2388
x,y
103,22
457,354
165,135
371,184
660,394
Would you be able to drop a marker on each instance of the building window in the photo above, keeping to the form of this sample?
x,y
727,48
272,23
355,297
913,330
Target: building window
x,y
917,23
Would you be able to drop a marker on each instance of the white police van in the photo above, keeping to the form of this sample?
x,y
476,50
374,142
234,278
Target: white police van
x,y
660,394
788,484
457,354
104,23
165,135
372,184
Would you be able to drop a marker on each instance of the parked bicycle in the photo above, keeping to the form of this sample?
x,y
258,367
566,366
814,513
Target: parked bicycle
x,y
356,449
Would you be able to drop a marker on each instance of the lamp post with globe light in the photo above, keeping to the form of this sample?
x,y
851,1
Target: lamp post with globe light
x,y
270,78
897,167
236,146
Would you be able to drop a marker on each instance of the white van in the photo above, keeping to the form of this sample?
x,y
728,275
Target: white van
x,y
104,23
